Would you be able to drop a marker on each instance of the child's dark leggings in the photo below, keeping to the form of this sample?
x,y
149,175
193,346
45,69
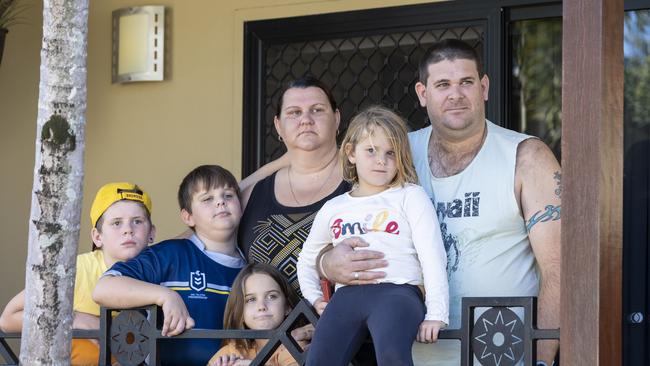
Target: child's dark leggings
x,y
391,313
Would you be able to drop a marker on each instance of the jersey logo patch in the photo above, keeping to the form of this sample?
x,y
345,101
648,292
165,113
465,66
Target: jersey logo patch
x,y
197,280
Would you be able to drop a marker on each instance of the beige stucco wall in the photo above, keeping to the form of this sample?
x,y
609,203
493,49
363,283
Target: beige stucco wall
x,y
149,133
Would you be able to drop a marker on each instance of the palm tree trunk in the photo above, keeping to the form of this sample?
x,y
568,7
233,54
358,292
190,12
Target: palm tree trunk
x,y
57,189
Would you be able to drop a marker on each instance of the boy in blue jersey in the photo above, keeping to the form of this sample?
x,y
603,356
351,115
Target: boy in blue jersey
x,y
189,279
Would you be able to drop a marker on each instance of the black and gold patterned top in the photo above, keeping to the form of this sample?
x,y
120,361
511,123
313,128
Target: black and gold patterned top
x,y
272,233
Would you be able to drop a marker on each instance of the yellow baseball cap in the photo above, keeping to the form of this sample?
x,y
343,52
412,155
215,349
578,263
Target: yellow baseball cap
x,y
113,192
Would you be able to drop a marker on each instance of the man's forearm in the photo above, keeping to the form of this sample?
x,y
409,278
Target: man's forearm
x,y
548,315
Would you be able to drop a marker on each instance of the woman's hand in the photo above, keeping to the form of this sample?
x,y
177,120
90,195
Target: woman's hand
x,y
345,265
428,332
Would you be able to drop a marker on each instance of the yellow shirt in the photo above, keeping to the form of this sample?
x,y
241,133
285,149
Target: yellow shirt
x,y
281,357
90,267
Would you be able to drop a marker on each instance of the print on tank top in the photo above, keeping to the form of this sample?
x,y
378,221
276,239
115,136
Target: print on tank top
x,y
467,207
458,208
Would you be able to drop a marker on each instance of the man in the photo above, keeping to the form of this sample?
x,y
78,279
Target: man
x,y
497,194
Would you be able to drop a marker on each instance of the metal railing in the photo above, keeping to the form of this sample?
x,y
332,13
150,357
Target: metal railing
x,y
498,336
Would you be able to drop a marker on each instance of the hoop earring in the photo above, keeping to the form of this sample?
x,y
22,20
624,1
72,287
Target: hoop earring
x,y
280,138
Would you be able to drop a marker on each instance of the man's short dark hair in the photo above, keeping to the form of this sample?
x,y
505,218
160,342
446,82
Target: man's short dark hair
x,y
204,177
448,49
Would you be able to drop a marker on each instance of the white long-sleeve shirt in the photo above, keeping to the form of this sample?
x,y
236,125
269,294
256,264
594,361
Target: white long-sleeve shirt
x,y
399,222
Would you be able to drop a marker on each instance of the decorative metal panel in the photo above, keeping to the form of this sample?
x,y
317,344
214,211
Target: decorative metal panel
x,y
496,337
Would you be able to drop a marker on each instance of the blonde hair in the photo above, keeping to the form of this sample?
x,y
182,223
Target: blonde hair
x,y
364,124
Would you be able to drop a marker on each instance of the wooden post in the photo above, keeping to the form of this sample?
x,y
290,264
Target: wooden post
x,y
592,165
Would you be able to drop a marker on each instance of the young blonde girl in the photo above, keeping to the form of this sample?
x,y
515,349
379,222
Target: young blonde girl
x,y
260,299
394,216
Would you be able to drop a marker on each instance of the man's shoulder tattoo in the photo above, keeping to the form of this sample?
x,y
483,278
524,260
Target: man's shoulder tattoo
x,y
558,180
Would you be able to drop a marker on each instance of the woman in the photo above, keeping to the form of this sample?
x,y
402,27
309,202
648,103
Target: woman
x,y
280,208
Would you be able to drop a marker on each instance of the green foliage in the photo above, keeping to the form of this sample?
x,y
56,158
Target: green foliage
x,y
637,69
537,53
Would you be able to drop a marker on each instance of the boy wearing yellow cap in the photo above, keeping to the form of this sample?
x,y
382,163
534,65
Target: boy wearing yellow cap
x,y
190,279
121,228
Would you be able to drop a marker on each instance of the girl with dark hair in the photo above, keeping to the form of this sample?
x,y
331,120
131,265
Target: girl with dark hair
x,y
260,299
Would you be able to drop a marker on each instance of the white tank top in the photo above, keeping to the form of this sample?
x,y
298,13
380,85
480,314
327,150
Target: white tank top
x,y
488,252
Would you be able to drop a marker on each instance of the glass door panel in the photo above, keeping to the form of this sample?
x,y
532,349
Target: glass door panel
x,y
636,183
536,79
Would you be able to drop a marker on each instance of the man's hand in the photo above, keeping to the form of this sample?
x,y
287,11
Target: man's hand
x,y
176,317
345,265
428,332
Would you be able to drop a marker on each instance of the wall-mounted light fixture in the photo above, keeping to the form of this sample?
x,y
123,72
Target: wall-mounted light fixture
x,y
138,44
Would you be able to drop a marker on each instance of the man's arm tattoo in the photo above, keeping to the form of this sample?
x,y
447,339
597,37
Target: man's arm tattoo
x,y
558,177
551,213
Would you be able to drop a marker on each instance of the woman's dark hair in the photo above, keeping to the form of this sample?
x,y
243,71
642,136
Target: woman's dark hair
x,y
304,83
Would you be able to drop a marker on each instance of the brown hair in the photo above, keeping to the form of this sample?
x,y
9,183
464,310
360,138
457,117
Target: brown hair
x,y
451,50
365,123
207,177
233,317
